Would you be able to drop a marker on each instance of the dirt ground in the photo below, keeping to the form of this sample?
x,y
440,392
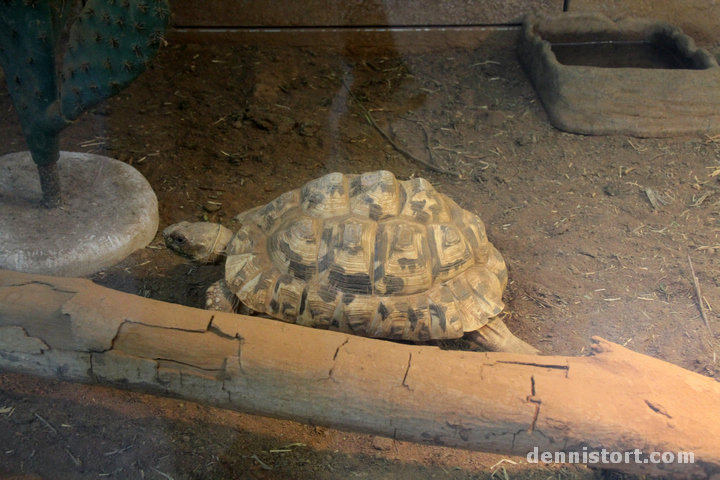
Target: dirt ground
x,y
217,130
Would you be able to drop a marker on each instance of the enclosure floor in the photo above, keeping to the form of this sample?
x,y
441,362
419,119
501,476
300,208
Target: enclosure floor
x,y
218,130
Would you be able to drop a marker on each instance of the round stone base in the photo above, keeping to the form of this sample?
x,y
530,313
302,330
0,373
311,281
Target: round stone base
x,y
109,210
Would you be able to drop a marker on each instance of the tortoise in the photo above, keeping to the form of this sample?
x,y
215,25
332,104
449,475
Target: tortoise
x,y
364,254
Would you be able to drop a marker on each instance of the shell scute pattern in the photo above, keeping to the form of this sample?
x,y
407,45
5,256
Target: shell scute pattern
x,y
248,240
345,255
257,292
266,217
483,284
446,318
285,301
375,195
294,247
470,307
449,250
319,308
402,258
241,268
356,314
326,197
496,265
423,203
474,231
370,255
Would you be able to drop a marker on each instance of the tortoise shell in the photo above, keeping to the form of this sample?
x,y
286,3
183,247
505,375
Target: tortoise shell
x,y
369,255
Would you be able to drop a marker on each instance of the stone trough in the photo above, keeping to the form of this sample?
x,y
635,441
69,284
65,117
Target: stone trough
x,y
638,77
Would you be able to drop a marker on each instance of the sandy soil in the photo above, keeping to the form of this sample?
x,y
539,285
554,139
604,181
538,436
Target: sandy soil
x,y
218,130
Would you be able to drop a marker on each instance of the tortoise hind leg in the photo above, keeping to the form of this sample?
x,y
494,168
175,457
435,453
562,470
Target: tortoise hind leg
x,y
220,299
496,337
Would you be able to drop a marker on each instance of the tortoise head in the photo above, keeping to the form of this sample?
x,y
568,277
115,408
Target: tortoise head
x,y
201,242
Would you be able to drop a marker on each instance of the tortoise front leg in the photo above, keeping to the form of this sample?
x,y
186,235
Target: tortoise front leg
x,y
220,299
496,337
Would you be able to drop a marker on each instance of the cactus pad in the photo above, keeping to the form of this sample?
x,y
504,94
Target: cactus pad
x,y
27,54
111,43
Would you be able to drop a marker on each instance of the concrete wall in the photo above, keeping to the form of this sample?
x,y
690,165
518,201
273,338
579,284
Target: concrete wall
x,y
698,18
353,13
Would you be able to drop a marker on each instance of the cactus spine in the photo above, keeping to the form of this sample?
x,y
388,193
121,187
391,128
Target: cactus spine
x,y
111,43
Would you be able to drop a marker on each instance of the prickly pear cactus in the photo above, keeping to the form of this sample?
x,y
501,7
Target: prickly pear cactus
x,y
28,33
111,43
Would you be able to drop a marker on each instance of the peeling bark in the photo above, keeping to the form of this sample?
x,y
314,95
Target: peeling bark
x,y
616,399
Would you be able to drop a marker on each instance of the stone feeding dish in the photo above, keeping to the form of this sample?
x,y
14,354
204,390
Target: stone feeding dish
x,y
637,77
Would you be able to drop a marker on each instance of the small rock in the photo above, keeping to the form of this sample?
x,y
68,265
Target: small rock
x,y
526,139
382,443
495,118
211,207
322,431
559,229
272,122
19,417
285,124
236,159
264,92
309,129
611,190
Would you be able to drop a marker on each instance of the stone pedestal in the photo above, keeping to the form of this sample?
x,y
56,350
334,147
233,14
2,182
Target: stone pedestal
x,y
109,211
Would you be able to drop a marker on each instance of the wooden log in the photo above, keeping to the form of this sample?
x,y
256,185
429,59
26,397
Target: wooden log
x,y
615,401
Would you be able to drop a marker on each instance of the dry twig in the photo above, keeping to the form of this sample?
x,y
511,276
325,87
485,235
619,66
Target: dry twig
x,y
696,282
656,200
397,147
264,465
427,139
47,424
161,473
75,459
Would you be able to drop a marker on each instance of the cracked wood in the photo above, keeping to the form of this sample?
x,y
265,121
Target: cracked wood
x,y
616,399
